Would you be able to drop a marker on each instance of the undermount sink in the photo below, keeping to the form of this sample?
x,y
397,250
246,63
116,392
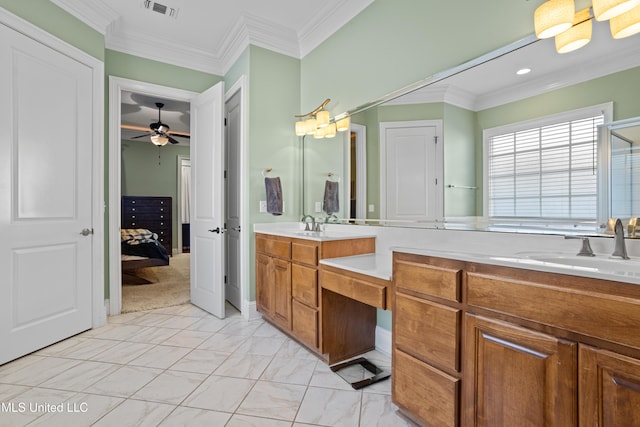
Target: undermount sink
x,y
599,263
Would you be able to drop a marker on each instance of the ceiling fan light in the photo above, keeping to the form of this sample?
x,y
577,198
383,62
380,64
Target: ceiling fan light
x,y
604,10
159,140
553,17
626,25
343,124
323,118
577,36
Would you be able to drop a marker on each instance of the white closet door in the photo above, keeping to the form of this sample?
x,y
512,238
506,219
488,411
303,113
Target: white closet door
x,y
411,171
45,195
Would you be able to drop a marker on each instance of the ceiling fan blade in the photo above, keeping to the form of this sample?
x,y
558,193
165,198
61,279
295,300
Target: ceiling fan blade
x,y
132,127
171,140
180,134
141,136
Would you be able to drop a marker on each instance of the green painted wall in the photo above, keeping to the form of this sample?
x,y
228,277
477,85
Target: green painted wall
x,y
148,170
56,21
459,130
274,82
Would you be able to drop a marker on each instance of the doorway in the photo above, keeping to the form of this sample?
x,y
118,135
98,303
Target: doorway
x,y
116,87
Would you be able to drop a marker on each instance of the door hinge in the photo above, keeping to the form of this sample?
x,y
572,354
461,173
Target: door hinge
x,y
436,181
225,279
225,121
225,174
435,139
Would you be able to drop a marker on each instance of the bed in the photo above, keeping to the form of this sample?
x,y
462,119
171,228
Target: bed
x,y
146,234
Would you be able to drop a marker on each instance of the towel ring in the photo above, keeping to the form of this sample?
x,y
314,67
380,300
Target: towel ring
x,y
266,171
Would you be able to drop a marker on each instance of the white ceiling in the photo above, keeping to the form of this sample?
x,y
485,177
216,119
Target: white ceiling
x,y
209,35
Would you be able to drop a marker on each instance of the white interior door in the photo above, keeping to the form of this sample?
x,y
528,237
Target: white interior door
x,y
232,200
45,195
411,170
207,198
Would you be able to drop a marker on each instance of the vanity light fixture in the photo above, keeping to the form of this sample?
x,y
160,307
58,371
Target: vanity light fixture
x,y
318,123
551,19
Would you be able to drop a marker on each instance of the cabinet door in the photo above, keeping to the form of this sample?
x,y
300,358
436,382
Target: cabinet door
x,y
609,388
264,285
517,377
282,292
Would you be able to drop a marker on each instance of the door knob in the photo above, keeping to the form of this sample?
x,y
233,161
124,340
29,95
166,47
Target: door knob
x,y
86,231
218,230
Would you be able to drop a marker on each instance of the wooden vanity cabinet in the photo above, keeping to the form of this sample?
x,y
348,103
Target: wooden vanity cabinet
x,y
535,348
287,290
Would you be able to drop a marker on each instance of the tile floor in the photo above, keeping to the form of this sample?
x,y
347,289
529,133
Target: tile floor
x,y
180,366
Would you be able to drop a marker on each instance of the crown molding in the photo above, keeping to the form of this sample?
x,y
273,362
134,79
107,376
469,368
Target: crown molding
x,y
95,13
327,22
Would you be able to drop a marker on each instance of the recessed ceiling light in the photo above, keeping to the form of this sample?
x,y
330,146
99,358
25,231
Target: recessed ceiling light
x,y
523,71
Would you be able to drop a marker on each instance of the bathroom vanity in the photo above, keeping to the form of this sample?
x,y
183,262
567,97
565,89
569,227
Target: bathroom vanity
x,y
330,311
483,344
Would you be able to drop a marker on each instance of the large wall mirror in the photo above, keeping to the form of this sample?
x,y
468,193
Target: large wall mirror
x,y
457,107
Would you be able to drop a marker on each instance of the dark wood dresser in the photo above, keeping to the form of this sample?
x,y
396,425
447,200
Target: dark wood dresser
x,y
152,213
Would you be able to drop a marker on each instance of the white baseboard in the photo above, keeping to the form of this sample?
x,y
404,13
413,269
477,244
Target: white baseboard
x,y
250,311
383,341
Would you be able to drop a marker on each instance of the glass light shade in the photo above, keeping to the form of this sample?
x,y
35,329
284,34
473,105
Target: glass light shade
x,y
319,133
323,118
311,125
343,124
607,9
301,128
577,36
553,17
626,24
330,131
159,140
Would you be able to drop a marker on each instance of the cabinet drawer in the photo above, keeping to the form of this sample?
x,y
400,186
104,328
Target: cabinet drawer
x,y
427,330
578,309
279,248
305,284
305,324
428,280
428,394
304,253
359,290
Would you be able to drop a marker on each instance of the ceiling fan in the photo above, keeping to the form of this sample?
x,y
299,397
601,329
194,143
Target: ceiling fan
x,y
160,132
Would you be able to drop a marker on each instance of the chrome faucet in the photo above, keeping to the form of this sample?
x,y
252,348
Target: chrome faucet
x,y
619,250
306,223
586,247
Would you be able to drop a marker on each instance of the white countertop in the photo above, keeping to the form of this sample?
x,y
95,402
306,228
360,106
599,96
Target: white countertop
x,y
375,265
298,232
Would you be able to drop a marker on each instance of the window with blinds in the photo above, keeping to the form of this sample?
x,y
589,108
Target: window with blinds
x,y
544,172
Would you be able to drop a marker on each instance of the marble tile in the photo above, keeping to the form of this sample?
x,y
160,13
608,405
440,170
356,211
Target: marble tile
x,y
182,417
60,347
330,407
263,346
292,349
80,376
79,410
268,330
188,338
153,335
273,400
170,387
248,366
182,310
85,349
124,382
125,317
33,374
248,421
151,319
323,376
160,356
178,322
209,324
202,361
219,393
136,413
223,343
123,352
9,391
119,332
290,371
242,327
378,410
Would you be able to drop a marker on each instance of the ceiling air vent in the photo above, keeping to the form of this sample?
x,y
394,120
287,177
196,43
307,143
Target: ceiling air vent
x,y
160,8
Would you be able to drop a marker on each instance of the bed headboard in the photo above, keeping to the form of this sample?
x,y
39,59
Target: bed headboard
x,y
152,213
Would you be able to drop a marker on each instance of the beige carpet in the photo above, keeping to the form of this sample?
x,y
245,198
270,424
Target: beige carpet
x,y
170,286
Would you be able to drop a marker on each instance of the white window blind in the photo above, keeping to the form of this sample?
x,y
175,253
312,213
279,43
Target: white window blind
x,y
544,172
